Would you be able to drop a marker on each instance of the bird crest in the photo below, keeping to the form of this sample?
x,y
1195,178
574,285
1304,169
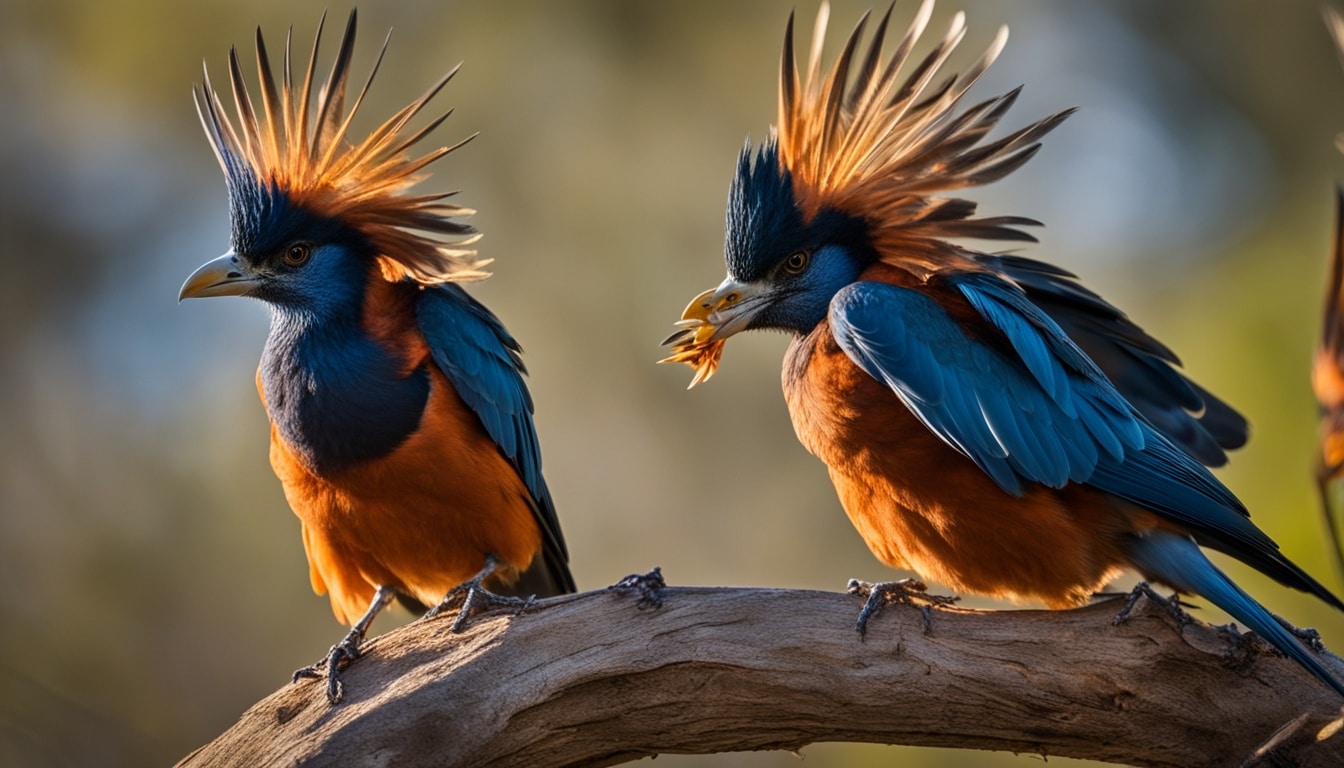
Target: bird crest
x,y
884,146
291,147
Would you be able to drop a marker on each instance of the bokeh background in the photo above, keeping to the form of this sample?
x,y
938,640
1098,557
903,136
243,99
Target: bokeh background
x,y
152,581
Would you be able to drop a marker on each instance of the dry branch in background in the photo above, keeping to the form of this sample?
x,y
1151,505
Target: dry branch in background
x,y
590,679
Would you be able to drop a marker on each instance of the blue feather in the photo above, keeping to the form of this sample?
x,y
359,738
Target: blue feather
x,y
483,363
1049,422
1140,367
1178,561
1108,445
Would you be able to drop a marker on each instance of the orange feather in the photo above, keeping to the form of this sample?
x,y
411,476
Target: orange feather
x,y
418,520
922,506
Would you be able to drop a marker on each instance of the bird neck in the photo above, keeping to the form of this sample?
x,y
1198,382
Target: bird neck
x,y
337,395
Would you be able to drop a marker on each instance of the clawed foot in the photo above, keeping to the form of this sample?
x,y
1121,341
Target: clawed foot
x,y
648,586
882,594
477,599
346,651
1172,605
1245,646
337,659
1309,637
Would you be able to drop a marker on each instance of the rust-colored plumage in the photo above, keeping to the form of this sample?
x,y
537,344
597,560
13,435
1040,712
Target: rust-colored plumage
x,y
986,420
401,424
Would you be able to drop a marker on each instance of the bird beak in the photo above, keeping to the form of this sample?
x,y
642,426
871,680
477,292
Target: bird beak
x,y
724,311
708,321
223,276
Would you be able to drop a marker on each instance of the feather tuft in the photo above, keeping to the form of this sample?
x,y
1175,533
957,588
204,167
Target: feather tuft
x,y
884,146
299,148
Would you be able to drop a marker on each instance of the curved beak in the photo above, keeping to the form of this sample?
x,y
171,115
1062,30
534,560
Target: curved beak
x,y
724,311
709,320
224,276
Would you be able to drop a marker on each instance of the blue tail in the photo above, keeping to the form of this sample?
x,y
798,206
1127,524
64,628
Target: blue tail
x,y
1179,562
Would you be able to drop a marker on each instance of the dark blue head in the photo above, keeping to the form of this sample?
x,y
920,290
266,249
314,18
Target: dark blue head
x,y
309,203
294,259
783,269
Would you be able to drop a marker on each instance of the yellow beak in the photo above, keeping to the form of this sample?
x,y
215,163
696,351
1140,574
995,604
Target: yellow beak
x,y
706,324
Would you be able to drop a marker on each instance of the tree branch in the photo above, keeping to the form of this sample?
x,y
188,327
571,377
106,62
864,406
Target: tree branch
x,y
590,679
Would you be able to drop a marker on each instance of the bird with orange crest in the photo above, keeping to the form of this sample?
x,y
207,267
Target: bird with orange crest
x,y
987,421
1327,370
401,426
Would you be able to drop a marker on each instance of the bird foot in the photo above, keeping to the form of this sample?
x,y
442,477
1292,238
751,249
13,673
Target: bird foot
x,y
330,666
1249,644
1309,637
648,586
1172,605
882,594
477,599
343,653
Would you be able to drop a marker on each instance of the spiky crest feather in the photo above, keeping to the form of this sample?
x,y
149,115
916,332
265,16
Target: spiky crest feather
x,y
883,147
312,164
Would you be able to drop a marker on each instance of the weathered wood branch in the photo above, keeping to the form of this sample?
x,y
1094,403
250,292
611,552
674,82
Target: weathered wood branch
x,y
589,679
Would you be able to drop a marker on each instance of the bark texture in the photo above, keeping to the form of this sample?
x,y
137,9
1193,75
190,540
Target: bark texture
x,y
591,679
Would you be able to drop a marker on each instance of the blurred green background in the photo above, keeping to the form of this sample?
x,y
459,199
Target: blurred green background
x,y
154,583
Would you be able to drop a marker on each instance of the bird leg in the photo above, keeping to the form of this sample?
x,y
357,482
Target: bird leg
x,y
1250,643
1309,637
476,598
346,651
1172,605
882,594
648,586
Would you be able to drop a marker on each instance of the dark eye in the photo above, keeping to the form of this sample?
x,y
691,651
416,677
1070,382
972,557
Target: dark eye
x,y
797,262
298,254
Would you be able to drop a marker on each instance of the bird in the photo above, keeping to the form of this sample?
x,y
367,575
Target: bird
x,y
1327,368
401,427
987,421
1327,379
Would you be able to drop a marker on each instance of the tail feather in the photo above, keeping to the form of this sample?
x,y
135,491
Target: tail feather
x,y
1179,562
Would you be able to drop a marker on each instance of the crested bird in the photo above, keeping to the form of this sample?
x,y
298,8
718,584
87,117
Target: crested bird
x,y
986,420
401,425
1327,369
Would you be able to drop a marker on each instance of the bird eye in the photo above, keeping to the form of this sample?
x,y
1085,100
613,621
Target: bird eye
x,y
298,254
797,262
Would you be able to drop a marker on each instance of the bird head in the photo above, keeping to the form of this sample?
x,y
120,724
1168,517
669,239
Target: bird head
x,y
851,175
312,214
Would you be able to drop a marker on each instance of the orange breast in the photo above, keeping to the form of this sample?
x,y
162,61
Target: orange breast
x,y
921,505
420,520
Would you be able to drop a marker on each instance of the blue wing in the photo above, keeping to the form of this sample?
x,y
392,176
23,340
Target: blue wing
x,y
482,360
1035,408
1142,369
1041,413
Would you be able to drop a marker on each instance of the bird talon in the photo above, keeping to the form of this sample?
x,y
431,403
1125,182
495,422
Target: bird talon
x,y
337,659
479,600
907,591
1171,605
476,598
1309,636
648,586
